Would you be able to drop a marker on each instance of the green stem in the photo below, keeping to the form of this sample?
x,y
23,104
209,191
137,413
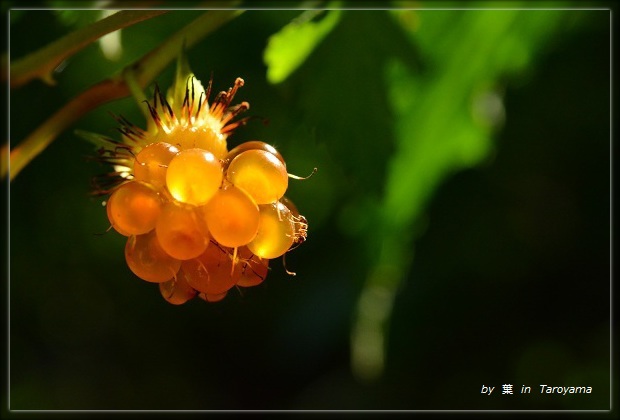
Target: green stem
x,y
144,70
136,91
42,63
154,62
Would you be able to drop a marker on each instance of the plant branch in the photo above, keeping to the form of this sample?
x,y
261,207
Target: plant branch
x,y
144,71
41,63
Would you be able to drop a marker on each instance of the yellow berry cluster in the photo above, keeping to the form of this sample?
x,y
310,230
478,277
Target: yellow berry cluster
x,y
199,218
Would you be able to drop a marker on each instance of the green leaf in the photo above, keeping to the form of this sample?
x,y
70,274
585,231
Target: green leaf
x,y
444,121
289,48
71,17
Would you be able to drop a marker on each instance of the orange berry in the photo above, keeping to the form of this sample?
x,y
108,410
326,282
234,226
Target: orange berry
x,y
176,290
253,268
211,272
152,162
181,231
148,260
232,217
133,208
259,173
276,231
193,176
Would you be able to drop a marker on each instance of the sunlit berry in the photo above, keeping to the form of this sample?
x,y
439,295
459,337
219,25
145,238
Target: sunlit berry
x,y
146,258
232,217
193,176
182,231
133,208
259,173
276,231
152,162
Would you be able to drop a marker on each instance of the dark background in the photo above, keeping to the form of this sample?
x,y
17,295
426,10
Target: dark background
x,y
509,281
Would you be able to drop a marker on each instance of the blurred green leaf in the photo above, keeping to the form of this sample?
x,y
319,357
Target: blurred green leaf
x,y
289,48
444,121
76,18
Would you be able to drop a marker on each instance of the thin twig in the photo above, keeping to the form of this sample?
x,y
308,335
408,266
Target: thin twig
x,y
42,63
144,70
